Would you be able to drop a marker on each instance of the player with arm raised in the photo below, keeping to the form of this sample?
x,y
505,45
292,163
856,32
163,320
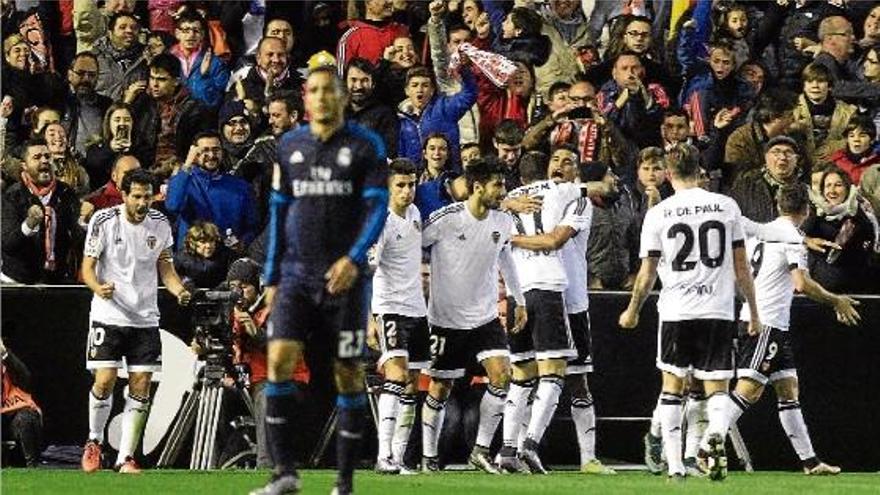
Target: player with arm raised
x,y
399,316
469,242
779,265
328,206
127,246
695,239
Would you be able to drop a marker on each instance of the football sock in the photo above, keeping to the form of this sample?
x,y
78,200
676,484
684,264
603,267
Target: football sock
x,y
546,399
695,416
389,405
514,410
348,436
99,413
133,419
491,411
656,429
718,409
670,419
583,414
739,406
433,413
280,401
405,417
793,422
526,419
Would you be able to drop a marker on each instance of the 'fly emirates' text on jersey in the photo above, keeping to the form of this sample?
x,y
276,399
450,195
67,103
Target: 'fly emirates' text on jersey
x,y
127,254
694,233
325,185
466,254
397,283
775,249
542,270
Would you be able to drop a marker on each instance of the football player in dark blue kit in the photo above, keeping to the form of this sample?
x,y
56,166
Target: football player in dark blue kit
x,y
329,204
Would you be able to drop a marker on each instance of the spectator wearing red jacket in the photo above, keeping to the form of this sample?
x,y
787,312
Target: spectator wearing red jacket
x,y
368,38
109,194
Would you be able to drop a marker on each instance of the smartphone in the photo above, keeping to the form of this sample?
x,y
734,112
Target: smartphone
x,y
581,113
123,132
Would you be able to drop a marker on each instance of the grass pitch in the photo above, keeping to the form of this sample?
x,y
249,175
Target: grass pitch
x,y
14,481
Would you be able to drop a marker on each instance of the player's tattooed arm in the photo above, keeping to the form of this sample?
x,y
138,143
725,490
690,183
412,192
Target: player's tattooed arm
x,y
169,276
844,306
550,241
645,281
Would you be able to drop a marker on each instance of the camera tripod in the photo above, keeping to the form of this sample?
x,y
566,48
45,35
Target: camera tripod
x,y
203,407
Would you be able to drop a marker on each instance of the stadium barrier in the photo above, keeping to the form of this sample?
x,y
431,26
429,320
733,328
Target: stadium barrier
x,y
838,368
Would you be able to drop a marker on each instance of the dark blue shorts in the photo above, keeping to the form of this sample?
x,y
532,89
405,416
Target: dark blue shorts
x,y
307,313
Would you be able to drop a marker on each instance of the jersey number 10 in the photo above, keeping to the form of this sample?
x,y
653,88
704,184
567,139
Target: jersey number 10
x,y
680,262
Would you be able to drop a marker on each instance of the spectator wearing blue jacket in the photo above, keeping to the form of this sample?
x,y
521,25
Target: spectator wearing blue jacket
x,y
712,85
425,111
204,74
204,193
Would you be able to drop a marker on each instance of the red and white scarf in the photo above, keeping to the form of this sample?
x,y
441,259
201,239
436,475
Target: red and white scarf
x,y
49,219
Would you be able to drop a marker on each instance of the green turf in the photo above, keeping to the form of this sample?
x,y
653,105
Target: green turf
x,y
458,483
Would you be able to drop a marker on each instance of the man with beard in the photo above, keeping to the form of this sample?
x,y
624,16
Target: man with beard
x,y
120,56
365,109
128,249
271,74
202,192
39,222
84,107
285,112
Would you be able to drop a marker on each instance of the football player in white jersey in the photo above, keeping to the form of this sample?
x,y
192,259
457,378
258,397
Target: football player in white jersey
x,y
695,239
545,344
779,265
126,246
570,237
399,321
469,242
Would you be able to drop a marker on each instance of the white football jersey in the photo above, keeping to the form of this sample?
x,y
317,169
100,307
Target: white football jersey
x,y
127,254
542,270
397,283
775,249
579,216
694,233
466,254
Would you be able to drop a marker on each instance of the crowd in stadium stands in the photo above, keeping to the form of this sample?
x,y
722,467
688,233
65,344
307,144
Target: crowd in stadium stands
x,y
199,93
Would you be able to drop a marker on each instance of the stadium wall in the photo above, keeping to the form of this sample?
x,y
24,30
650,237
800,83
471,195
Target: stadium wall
x,y
838,367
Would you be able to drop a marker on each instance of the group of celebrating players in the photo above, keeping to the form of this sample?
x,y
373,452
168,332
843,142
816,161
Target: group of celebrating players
x,y
334,199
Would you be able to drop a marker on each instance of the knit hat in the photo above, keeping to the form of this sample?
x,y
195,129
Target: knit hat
x,y
593,171
783,139
244,270
231,110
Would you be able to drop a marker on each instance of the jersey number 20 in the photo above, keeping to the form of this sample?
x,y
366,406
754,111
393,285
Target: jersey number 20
x,y
680,262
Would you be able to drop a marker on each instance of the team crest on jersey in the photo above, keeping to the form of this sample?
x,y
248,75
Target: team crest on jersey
x,y
417,226
296,157
151,241
496,236
343,158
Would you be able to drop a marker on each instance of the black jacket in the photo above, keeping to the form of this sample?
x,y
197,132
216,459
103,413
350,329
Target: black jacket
x,y
72,108
190,118
23,256
380,119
